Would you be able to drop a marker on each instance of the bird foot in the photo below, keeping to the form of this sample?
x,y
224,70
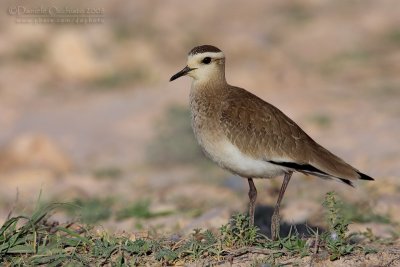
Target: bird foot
x,y
275,226
251,220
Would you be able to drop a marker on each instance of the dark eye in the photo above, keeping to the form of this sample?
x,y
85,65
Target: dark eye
x,y
206,60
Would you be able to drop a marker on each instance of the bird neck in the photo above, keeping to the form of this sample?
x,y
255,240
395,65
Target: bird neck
x,y
208,91
212,81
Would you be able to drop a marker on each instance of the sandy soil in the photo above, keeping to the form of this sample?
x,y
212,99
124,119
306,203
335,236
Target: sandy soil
x,y
96,94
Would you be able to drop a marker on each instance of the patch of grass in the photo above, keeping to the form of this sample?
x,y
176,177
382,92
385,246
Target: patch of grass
x,y
139,209
35,240
90,211
39,242
36,237
238,232
295,244
199,245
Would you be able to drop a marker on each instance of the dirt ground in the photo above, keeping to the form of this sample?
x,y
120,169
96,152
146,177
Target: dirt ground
x,y
386,257
84,109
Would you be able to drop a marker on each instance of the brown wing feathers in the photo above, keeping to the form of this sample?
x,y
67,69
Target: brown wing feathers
x,y
277,139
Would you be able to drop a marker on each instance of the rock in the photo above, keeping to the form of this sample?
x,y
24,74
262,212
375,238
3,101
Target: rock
x,y
34,151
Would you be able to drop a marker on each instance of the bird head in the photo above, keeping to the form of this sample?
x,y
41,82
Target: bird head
x,y
205,62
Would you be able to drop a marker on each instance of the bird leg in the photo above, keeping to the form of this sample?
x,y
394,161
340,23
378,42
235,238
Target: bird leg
x,y
275,221
252,197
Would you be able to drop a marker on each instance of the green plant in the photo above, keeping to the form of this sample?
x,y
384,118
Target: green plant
x,y
295,244
200,244
35,240
336,240
238,232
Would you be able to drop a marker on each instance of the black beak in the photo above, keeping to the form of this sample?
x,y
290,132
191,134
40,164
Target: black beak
x,y
183,72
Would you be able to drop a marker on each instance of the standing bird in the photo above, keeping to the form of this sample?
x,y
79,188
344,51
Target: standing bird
x,y
250,137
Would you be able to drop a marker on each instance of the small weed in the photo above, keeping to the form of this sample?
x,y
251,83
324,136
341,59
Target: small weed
x,y
238,232
336,239
201,244
337,224
295,244
370,250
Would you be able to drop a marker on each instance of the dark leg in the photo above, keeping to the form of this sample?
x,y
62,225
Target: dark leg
x,y
252,197
275,217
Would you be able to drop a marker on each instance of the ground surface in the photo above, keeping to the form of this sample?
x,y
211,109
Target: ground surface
x,y
88,116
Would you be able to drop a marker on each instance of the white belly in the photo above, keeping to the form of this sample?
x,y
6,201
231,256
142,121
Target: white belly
x,y
230,157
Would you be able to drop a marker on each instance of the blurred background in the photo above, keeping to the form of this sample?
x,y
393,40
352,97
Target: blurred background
x,y
88,117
